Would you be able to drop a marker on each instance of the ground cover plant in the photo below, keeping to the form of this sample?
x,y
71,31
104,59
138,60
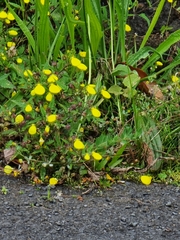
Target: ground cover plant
x,y
81,100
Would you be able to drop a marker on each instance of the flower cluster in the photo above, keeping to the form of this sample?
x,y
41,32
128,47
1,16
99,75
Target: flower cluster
x,y
75,62
7,17
79,145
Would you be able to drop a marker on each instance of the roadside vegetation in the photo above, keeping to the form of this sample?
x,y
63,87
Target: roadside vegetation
x,y
81,101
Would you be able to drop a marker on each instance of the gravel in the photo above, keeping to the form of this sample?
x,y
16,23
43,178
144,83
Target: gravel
x,y
126,211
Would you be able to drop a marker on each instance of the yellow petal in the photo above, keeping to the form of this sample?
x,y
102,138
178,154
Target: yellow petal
x,y
8,169
146,179
78,144
53,181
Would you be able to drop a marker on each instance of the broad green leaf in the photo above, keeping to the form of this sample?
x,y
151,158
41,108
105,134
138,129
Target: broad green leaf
x,y
121,70
129,92
132,80
115,89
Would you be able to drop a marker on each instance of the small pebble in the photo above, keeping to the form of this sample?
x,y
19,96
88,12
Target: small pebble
x,y
169,204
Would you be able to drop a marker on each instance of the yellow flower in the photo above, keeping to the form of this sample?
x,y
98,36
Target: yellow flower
x,y
41,141
96,156
105,94
75,62
52,118
47,129
170,1
146,180
10,16
87,156
19,60
8,169
76,18
16,173
27,73
54,88
52,78
175,78
53,181
108,177
39,89
7,21
78,144
13,93
33,93
32,130
11,44
3,15
158,63
13,33
26,1
82,67
49,97
28,108
90,89
81,129
19,118
127,28
82,54
47,71
95,112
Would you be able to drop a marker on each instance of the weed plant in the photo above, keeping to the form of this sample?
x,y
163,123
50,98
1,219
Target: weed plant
x,y
71,109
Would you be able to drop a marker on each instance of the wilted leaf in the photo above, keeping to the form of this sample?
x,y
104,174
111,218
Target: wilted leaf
x,y
149,155
8,154
95,176
152,89
24,167
121,170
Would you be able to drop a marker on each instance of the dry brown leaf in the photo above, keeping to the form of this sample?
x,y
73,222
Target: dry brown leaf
x,y
80,198
24,167
149,155
121,170
152,89
8,154
95,176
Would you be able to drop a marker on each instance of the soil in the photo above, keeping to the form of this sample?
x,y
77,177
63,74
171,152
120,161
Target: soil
x,y
127,211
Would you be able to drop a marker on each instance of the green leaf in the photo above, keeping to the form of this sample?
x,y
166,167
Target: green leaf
x,y
95,26
5,83
132,80
152,138
115,89
129,92
121,70
100,165
163,47
115,160
139,55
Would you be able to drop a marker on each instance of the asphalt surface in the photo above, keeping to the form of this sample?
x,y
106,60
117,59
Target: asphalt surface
x,y
127,211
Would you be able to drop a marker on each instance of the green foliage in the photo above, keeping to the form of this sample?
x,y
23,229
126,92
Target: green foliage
x,y
69,92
